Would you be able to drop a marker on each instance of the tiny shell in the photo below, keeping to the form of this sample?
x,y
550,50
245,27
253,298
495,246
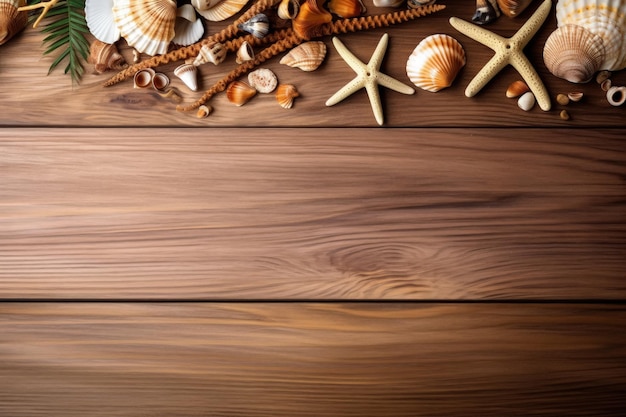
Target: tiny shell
x,y
244,53
218,10
307,56
564,115
516,89
188,28
288,9
562,99
435,62
188,73
143,78
487,11
105,57
263,80
346,8
285,95
616,96
160,81
527,101
258,25
602,76
214,53
513,8
203,111
239,93
101,21
575,96
606,84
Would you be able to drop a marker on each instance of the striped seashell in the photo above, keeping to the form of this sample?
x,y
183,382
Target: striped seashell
x,y
435,62
239,93
346,8
105,56
101,21
258,25
11,20
307,24
218,10
307,56
288,9
147,25
286,94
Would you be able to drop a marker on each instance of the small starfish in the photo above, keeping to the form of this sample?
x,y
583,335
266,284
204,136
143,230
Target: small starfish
x,y
368,77
508,51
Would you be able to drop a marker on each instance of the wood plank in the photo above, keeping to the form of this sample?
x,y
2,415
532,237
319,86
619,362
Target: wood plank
x,y
30,98
311,359
312,214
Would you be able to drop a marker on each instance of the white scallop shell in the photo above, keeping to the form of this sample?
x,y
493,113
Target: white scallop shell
x,y
188,28
100,20
435,62
147,25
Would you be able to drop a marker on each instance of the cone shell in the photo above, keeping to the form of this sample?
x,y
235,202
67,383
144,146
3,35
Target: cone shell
x,y
216,11
188,73
573,53
512,8
11,21
101,21
105,56
188,28
244,53
605,18
307,56
435,62
310,18
285,95
147,25
263,80
239,93
346,8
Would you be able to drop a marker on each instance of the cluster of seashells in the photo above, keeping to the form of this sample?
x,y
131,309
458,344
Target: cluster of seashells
x,y
263,81
435,62
12,21
590,37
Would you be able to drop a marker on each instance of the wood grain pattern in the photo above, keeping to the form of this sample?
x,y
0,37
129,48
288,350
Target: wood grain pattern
x,y
30,98
311,360
326,214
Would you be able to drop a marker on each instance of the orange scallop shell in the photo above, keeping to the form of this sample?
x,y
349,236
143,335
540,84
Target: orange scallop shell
x,y
435,62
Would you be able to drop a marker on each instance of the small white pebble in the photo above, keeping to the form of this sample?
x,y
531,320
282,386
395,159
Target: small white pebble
x,y
527,101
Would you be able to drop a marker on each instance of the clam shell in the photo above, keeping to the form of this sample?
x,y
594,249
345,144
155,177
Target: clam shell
x,y
188,73
258,25
214,53
307,56
435,62
605,18
188,29
221,10
263,80
101,21
105,56
239,93
513,8
573,53
346,8
285,95
147,25
11,21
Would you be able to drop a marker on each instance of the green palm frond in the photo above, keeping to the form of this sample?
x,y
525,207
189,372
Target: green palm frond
x,y
66,28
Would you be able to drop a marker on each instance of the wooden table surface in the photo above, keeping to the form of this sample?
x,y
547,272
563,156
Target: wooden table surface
x,y
466,258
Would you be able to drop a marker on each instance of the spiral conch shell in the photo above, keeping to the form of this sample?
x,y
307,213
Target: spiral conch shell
x,y
147,25
105,56
604,20
435,62
11,21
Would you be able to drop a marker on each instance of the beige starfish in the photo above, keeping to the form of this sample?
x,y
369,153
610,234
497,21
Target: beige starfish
x,y
508,51
368,77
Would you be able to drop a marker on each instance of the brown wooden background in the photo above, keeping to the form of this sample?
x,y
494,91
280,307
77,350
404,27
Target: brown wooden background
x,y
467,258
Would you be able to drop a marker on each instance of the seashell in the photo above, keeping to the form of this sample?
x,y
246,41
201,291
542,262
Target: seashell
x,y
288,9
307,56
147,25
143,78
605,18
160,81
136,56
258,25
575,96
487,11
388,3
213,52
263,80
527,101
12,21
105,56
564,115
244,53
188,28
346,8
218,10
435,62
602,76
101,21
239,93
203,111
562,99
188,73
616,96
513,8
414,4
573,53
516,89
606,84
307,24
285,95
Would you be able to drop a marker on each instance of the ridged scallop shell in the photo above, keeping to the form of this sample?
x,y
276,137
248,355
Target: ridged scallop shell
x,y
435,62
605,18
346,8
147,25
188,28
307,56
513,8
239,93
105,56
216,11
573,53
11,21
285,95
100,20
